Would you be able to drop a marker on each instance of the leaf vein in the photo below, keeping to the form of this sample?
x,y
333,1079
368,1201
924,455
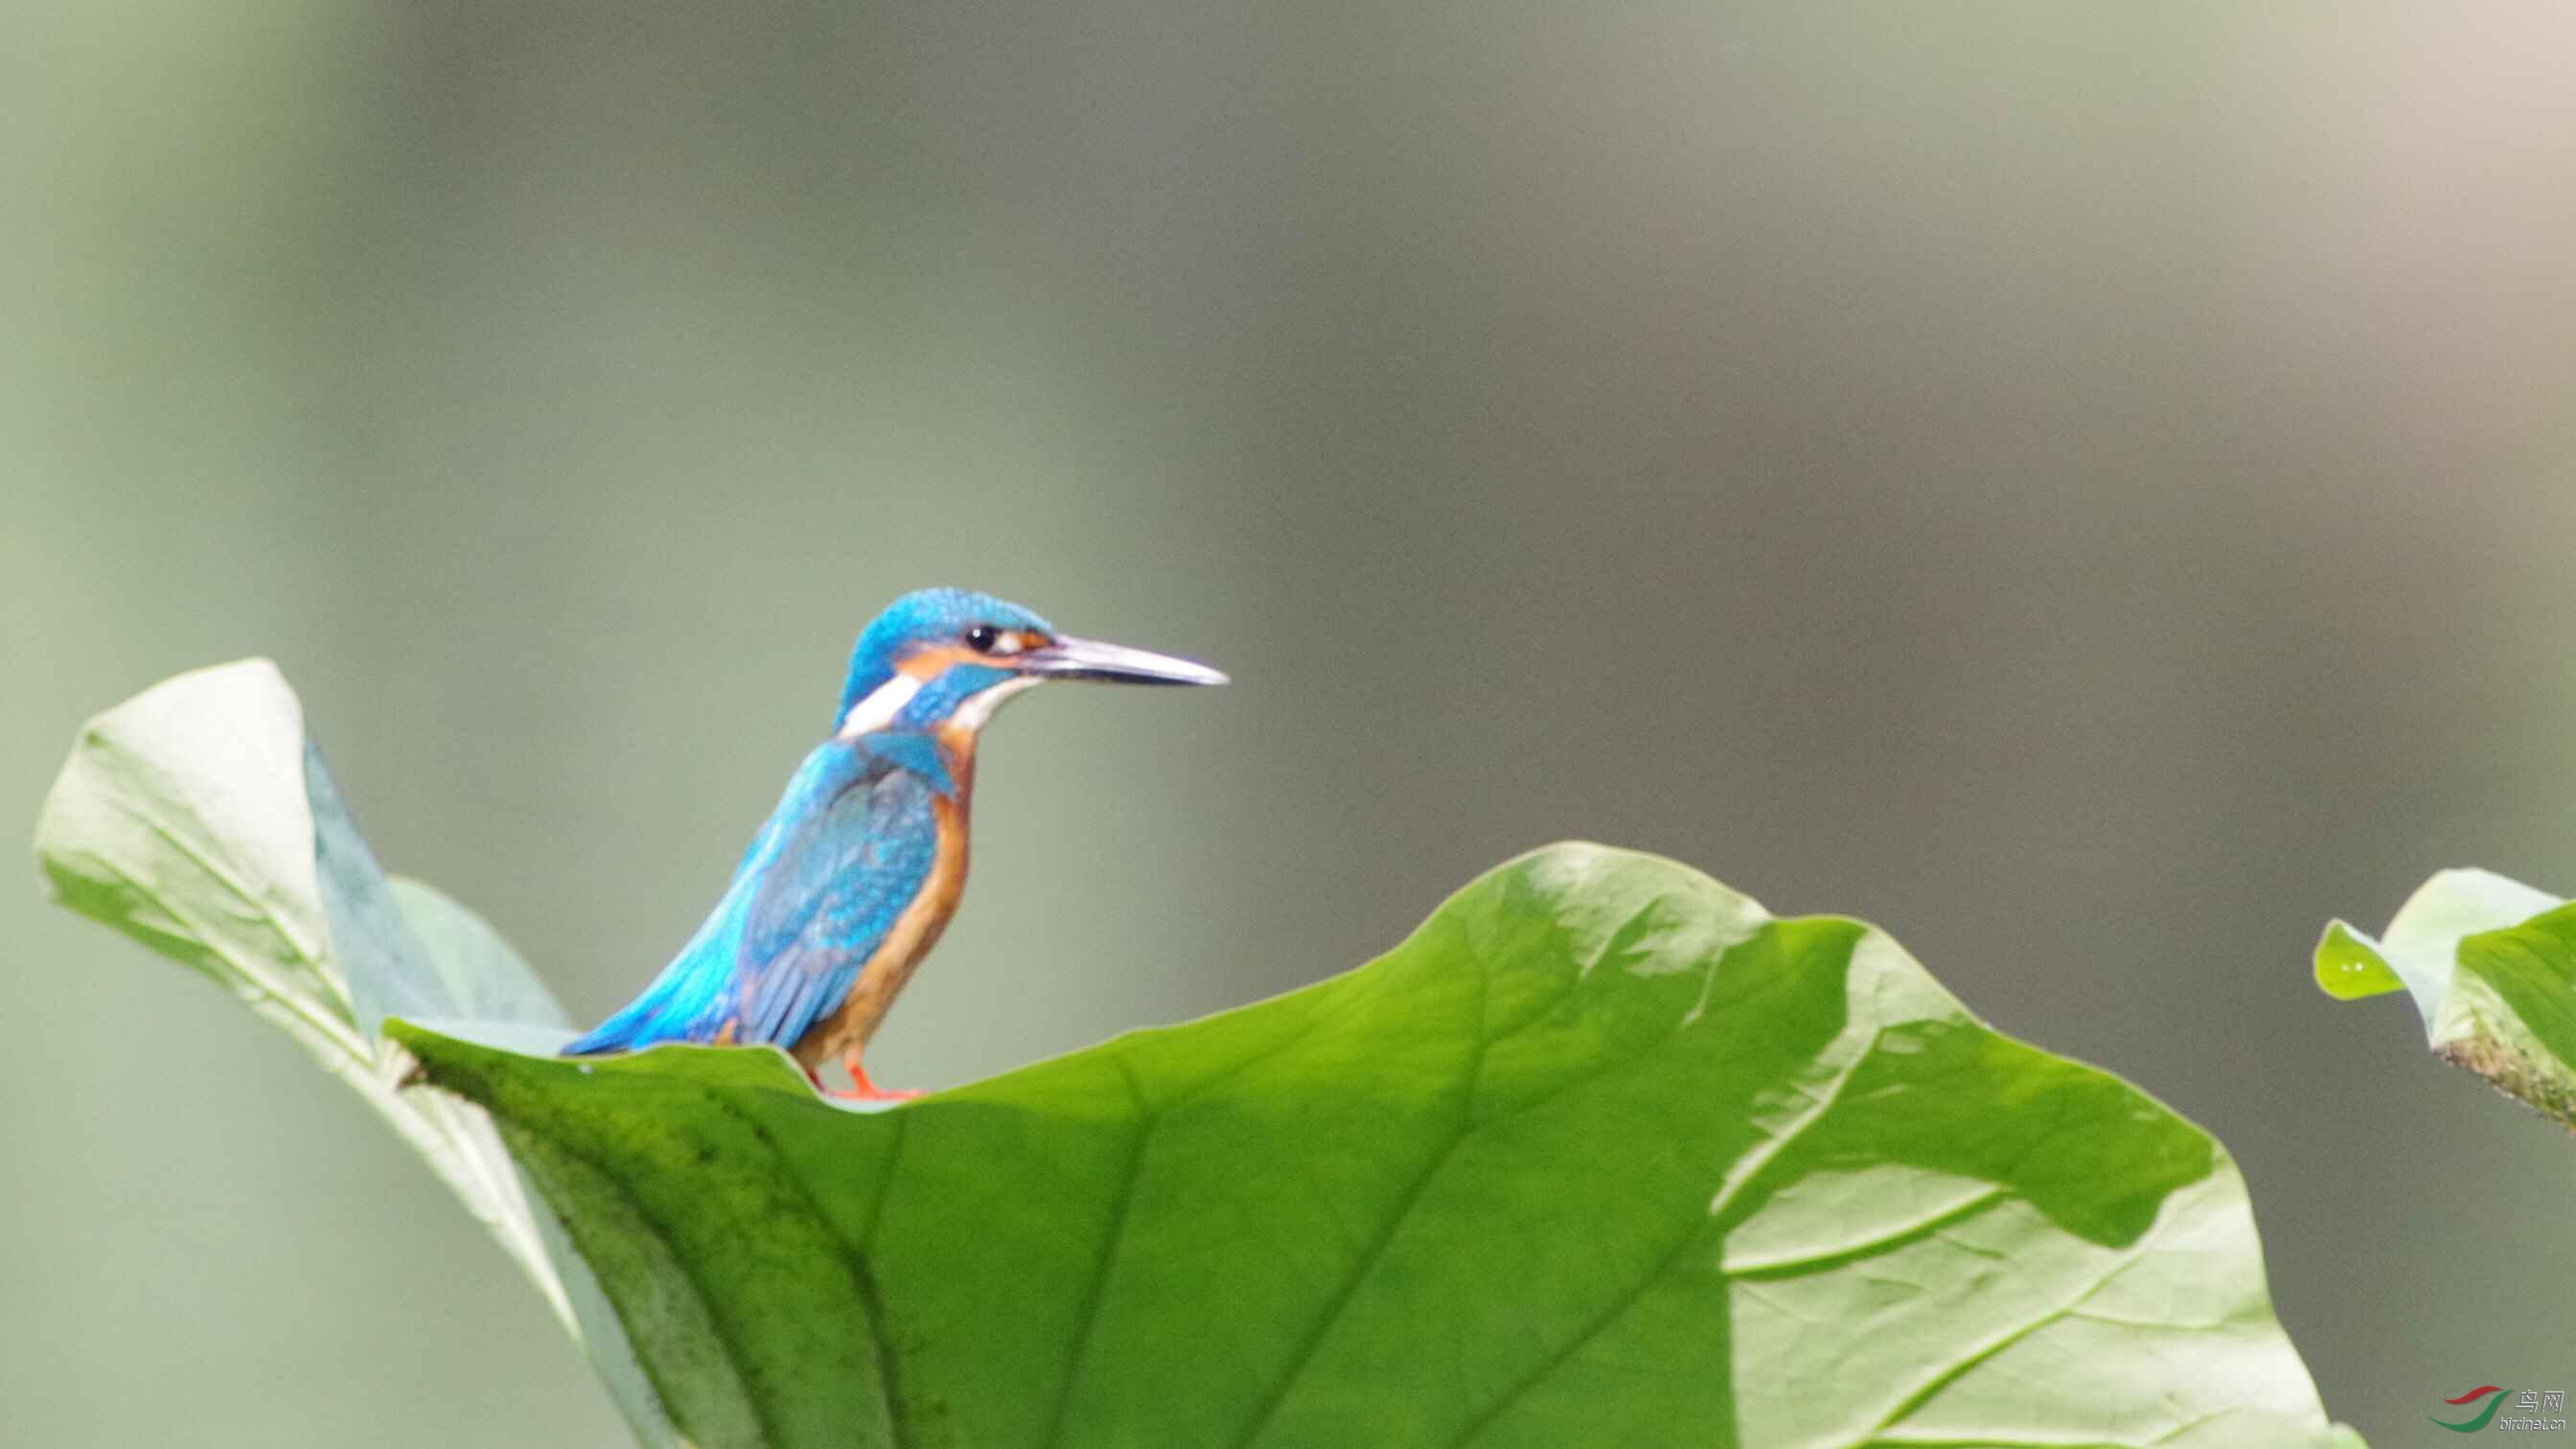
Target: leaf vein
x,y
854,1261
1077,1360
1369,1260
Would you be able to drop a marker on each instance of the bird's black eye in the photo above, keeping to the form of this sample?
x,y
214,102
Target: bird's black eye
x,y
982,637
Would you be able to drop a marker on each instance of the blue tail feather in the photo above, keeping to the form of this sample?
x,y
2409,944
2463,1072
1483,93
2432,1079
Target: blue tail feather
x,y
689,1001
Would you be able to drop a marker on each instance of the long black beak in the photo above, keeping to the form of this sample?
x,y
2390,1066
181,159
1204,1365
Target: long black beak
x,y
1069,658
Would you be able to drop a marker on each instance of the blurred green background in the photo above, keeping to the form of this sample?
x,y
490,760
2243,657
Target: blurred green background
x,y
2085,487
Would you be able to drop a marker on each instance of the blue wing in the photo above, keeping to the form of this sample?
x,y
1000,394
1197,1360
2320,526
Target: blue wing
x,y
849,847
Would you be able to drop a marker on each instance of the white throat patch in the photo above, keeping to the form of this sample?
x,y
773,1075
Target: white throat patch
x,y
979,707
880,706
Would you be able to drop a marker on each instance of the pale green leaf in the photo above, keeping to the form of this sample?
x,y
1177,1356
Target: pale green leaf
x,y
2491,966
199,819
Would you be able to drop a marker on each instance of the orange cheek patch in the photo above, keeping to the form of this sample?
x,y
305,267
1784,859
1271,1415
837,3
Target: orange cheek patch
x,y
929,664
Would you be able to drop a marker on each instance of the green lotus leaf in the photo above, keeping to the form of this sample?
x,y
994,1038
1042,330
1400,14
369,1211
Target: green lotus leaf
x,y
1602,1154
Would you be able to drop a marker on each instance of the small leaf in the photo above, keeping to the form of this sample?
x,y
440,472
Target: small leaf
x,y
2491,964
2350,967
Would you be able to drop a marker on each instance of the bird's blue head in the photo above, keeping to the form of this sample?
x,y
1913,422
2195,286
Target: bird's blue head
x,y
945,659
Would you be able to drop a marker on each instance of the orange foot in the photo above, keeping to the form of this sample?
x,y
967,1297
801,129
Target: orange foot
x,y
861,1089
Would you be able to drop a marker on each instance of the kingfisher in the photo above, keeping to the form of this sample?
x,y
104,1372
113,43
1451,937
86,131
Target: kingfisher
x,y
849,883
